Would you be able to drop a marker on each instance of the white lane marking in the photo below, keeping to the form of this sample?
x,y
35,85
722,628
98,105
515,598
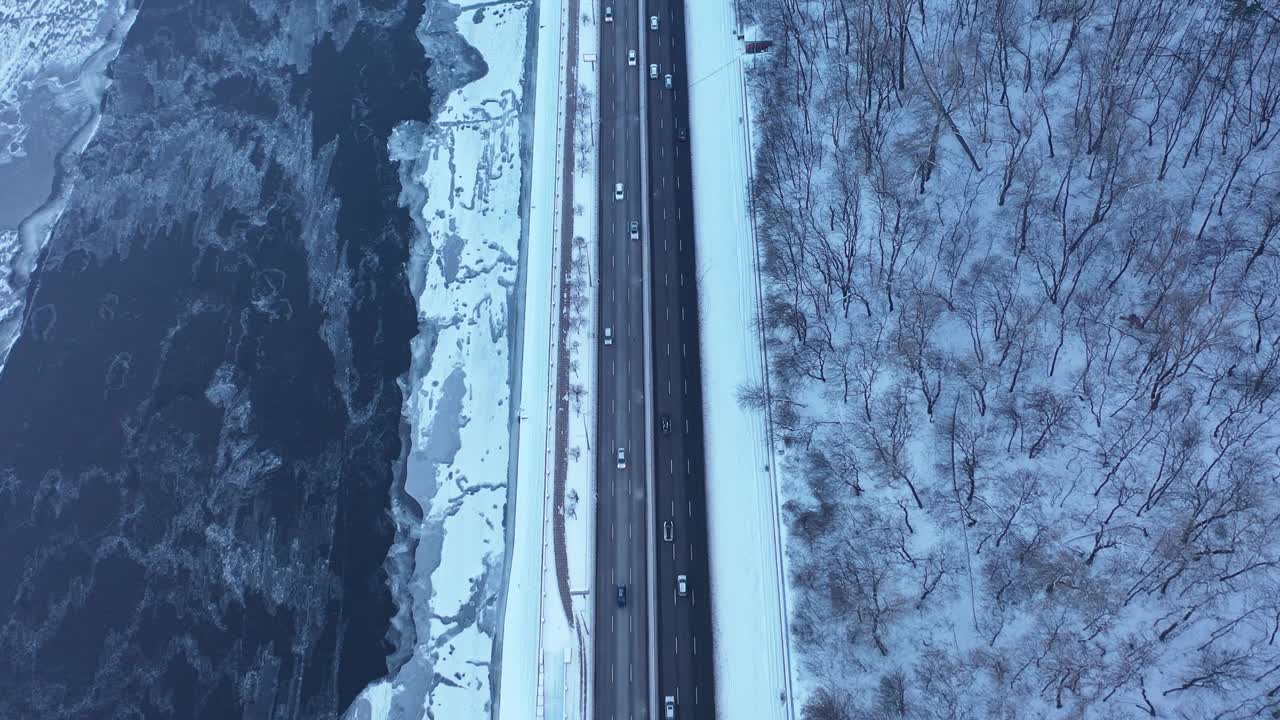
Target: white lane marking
x,y
684,350
668,387
668,349
686,386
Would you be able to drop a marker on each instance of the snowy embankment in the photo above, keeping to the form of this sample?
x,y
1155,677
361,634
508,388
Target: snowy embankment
x,y
463,268
54,56
752,668
546,654
521,629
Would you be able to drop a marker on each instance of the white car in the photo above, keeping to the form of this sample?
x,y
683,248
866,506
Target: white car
x,y
617,191
608,336
667,81
669,708
653,22
622,459
608,13
635,230
631,58
653,72
682,585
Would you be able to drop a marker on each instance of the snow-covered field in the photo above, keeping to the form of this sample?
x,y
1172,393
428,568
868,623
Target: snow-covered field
x,y
752,667
53,61
467,167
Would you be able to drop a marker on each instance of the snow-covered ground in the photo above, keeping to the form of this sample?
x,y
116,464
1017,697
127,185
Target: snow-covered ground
x,y
53,61
748,600
521,630
546,656
579,503
467,167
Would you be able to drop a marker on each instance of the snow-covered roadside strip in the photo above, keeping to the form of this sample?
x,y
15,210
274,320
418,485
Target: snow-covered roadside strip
x,y
753,677
518,691
546,657
569,643
467,171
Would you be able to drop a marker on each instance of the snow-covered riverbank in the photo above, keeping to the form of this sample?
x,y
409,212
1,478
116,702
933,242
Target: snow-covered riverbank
x,y
54,56
464,183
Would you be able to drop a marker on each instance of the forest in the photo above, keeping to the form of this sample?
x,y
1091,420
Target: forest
x,y
1021,284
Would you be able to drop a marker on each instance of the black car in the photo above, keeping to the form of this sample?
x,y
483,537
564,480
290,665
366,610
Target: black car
x,y
665,423
682,134
622,596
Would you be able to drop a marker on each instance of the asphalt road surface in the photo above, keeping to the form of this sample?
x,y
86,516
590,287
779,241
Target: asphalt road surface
x,y
621,637
685,667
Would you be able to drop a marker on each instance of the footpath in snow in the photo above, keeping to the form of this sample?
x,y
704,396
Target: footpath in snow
x,y
753,678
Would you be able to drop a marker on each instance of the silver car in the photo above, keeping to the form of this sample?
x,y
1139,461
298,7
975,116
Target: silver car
x,y
622,459
669,707
635,230
682,585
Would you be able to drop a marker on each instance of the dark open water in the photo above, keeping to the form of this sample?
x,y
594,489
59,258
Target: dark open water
x,y
199,423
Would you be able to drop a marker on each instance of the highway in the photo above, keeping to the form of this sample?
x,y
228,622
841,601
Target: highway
x,y
677,532
621,674
683,633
